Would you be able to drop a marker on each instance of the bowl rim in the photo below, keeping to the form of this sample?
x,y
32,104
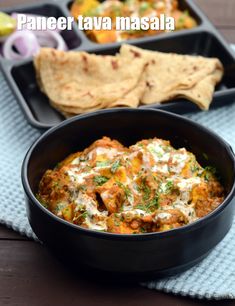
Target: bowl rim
x,y
143,236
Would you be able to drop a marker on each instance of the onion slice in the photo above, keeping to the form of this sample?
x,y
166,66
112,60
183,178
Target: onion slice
x,y
25,43
49,38
53,39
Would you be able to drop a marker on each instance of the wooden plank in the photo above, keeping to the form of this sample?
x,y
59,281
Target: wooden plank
x,y
30,275
9,3
229,34
6,233
221,13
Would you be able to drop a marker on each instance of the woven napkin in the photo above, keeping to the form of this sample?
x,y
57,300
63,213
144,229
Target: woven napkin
x,y
213,278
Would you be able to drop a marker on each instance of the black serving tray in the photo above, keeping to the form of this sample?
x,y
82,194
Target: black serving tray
x,y
203,40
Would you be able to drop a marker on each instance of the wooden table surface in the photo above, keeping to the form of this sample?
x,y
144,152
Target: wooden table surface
x,y
30,275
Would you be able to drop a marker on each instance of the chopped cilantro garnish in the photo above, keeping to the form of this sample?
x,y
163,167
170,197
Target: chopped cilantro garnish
x,y
211,169
102,163
145,189
82,187
59,207
142,229
42,201
194,167
116,222
87,168
154,203
155,152
83,215
116,219
116,10
125,188
55,185
167,187
115,166
207,177
144,6
182,18
150,205
100,180
141,206
147,192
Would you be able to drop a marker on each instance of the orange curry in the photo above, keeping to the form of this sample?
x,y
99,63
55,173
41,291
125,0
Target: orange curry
x,y
130,8
148,187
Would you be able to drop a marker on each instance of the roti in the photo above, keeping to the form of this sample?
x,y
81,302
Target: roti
x,y
169,76
79,82
84,82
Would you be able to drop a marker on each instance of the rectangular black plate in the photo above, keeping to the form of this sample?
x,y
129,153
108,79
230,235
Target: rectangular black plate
x,y
203,40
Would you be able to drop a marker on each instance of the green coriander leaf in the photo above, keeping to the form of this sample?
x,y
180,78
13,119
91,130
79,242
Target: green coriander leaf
x,y
100,180
169,186
102,163
115,166
125,188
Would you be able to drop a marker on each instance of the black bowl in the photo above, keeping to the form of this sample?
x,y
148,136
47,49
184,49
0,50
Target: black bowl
x,y
158,254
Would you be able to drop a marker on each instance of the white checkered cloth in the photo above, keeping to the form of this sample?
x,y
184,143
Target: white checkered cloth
x,y
213,278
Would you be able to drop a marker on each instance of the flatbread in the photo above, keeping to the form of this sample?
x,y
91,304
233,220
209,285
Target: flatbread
x,y
79,82
71,110
83,82
132,98
168,76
